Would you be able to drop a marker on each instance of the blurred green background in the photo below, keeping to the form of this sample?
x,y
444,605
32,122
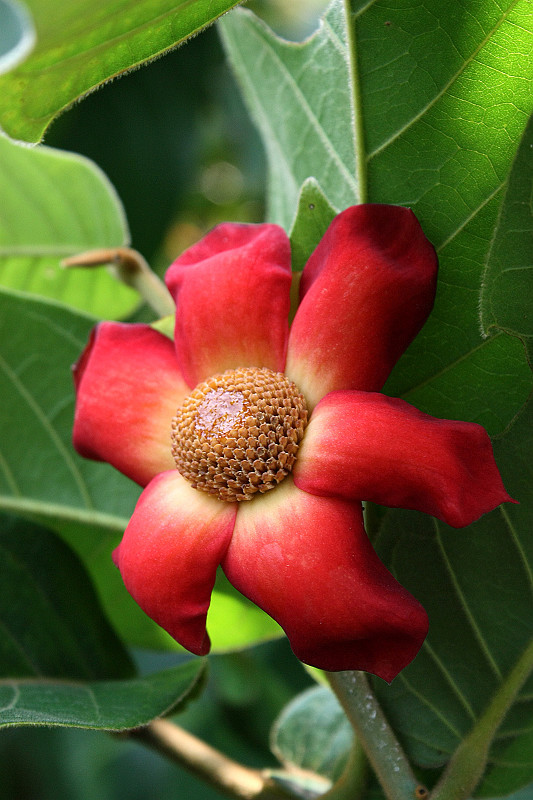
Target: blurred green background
x,y
176,142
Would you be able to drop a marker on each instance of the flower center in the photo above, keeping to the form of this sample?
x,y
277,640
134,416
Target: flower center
x,y
238,433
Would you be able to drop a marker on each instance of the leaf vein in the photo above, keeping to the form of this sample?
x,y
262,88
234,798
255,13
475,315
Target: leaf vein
x,y
466,609
425,701
397,134
49,429
518,544
455,688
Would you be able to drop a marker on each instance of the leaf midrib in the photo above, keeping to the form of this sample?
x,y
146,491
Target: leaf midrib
x,y
34,508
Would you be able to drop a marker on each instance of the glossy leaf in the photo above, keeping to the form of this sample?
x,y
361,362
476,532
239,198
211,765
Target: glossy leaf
x,y
84,43
17,34
90,503
52,623
56,204
477,586
313,733
368,112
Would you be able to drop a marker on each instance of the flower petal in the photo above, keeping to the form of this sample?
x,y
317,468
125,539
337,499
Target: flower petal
x,y
308,563
128,387
366,446
232,300
169,556
366,292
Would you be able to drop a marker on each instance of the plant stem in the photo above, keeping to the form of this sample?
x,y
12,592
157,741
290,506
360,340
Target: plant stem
x,y
469,761
377,738
210,765
131,268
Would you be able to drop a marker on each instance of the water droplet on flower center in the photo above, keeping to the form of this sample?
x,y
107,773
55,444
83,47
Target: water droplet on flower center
x,y
238,433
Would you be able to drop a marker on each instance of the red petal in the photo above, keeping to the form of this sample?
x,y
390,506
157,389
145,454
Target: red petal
x,y
308,563
129,387
366,446
169,556
232,300
366,292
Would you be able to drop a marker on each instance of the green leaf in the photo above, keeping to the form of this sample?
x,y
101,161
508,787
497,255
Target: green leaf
x,y
17,35
60,661
89,503
508,280
312,218
313,733
312,133
366,110
84,43
477,586
52,624
478,333
56,204
522,794
40,474
100,705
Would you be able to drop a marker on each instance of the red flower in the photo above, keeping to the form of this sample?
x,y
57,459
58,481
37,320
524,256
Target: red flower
x,y
300,551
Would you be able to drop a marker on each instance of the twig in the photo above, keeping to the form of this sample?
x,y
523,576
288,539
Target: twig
x,y
226,775
131,268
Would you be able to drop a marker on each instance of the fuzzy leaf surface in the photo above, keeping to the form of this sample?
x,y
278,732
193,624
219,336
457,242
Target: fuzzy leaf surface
x,y
312,733
82,44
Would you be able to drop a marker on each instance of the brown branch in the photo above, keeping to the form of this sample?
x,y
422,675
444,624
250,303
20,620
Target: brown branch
x,y
212,766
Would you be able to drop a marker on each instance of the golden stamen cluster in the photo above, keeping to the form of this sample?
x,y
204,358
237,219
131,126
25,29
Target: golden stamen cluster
x,y
238,433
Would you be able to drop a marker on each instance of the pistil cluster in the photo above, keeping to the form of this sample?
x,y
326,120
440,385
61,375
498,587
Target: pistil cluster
x,y
238,433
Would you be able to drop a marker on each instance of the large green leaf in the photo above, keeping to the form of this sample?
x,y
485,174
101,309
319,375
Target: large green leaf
x,y
368,97
60,662
309,85
55,204
51,622
100,705
367,110
470,360
477,586
83,43
43,478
